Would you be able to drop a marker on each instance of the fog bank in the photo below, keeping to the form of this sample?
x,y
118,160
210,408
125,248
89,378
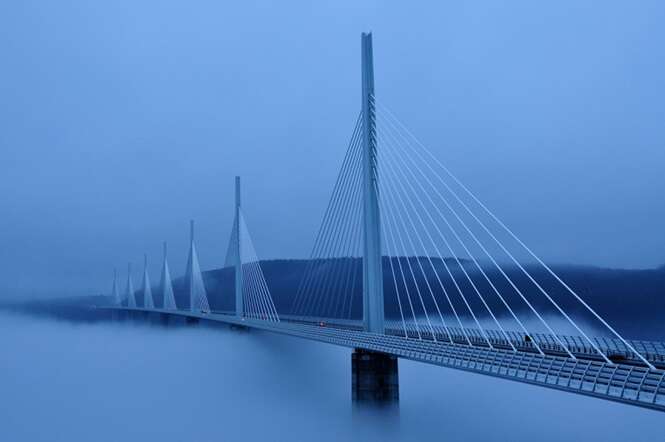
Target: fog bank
x,y
123,381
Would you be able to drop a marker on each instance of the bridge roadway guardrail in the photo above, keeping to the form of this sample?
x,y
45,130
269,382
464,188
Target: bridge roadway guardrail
x,y
616,350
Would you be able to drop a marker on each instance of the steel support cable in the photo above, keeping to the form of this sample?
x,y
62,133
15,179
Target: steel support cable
x,y
248,306
263,294
262,284
341,239
249,289
342,270
392,271
393,191
204,302
252,287
322,227
554,335
391,207
521,243
341,195
389,228
322,241
465,226
354,262
203,305
462,328
487,307
354,237
354,271
501,245
348,157
332,249
351,267
350,259
454,310
266,291
265,304
348,256
202,298
259,309
422,270
440,282
359,238
252,290
256,290
550,271
468,306
395,154
248,295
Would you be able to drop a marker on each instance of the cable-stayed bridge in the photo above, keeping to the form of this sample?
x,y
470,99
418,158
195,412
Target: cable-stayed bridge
x,y
409,263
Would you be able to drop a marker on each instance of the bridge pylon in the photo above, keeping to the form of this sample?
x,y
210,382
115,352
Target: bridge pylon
x,y
129,289
251,291
373,307
148,302
198,299
168,298
234,255
115,293
237,257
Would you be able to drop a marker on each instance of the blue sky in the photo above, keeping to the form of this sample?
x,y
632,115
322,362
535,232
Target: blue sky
x,y
122,120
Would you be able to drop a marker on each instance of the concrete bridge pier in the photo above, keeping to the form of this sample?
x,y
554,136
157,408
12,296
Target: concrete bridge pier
x,y
137,316
190,320
374,377
158,319
169,320
120,316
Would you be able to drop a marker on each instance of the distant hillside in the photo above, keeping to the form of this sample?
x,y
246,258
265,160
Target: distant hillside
x,y
631,300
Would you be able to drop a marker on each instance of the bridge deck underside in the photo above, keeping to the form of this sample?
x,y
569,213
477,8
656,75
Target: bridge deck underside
x,y
623,382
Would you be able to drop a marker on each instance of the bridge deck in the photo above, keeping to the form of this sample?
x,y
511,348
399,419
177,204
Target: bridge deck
x,y
622,382
616,350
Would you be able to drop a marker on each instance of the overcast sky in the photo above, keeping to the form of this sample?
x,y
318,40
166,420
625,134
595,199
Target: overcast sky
x,y
120,121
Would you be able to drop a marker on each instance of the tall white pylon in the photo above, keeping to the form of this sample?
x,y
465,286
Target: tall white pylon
x,y
129,291
234,256
373,308
147,291
168,302
198,301
240,310
115,293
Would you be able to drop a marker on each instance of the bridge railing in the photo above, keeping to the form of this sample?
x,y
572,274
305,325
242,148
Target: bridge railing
x,y
614,348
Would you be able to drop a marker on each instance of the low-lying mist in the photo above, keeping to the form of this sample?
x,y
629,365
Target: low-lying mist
x,y
65,381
